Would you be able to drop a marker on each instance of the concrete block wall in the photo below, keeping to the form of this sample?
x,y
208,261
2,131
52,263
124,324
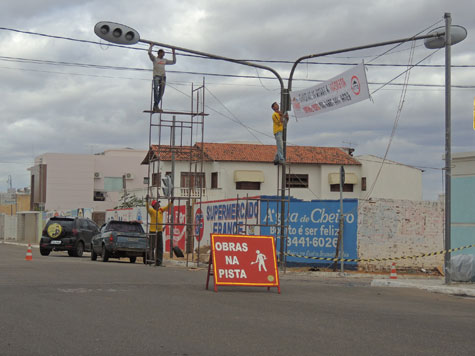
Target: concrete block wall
x,y
395,228
8,227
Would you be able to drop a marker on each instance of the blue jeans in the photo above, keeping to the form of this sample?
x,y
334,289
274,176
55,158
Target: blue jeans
x,y
279,155
158,89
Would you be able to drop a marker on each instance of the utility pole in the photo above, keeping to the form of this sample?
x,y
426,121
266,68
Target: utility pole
x,y
342,217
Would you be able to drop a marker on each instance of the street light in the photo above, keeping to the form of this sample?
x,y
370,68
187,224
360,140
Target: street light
x,y
433,40
122,34
452,35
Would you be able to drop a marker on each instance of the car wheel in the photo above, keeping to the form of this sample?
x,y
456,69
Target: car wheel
x,y
133,259
44,251
104,254
93,254
79,250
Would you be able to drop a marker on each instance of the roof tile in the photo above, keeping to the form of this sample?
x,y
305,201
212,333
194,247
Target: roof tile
x,y
243,152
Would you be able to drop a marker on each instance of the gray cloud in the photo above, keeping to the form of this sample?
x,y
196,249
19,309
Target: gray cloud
x,y
59,108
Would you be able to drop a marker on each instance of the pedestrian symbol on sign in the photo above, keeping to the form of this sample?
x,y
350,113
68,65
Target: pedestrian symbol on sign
x,y
260,259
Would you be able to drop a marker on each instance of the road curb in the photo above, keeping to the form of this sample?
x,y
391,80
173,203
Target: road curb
x,y
453,289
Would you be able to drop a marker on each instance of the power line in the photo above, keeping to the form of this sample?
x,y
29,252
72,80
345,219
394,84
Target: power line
x,y
119,68
279,61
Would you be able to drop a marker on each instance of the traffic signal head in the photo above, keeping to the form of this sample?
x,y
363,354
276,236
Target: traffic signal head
x,y
116,33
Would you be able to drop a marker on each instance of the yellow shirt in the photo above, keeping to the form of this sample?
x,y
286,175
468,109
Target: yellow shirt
x,y
278,124
156,218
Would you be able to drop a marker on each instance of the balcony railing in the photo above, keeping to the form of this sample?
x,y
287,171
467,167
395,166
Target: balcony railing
x,y
191,192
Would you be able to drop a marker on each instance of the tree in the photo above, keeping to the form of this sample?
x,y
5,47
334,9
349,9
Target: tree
x,y
129,201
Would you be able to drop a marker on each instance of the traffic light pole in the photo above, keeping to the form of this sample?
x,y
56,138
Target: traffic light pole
x,y
284,104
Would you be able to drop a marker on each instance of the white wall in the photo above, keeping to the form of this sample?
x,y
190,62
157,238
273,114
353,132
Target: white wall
x,y
71,183
396,180
8,227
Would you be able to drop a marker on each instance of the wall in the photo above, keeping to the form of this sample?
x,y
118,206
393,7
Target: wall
x,y
394,228
396,180
70,181
463,202
29,226
8,227
22,204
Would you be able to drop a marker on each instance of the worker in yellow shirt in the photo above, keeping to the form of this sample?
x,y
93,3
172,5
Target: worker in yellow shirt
x,y
278,119
156,228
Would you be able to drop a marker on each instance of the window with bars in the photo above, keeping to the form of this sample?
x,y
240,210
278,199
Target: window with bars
x,y
214,180
296,180
156,180
248,185
336,187
192,180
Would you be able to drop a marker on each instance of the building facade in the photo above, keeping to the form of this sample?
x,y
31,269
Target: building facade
x,y
231,170
69,181
463,201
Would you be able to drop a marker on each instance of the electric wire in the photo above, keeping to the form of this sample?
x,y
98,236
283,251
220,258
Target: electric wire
x,y
396,122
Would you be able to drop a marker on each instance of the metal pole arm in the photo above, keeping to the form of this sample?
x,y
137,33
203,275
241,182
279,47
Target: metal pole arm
x,y
210,55
380,44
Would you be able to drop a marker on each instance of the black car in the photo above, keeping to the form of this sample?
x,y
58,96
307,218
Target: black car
x,y
119,239
70,234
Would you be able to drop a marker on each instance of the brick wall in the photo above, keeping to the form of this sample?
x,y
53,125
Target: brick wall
x,y
395,228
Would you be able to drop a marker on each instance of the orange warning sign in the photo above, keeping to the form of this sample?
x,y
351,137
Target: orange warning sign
x,y
243,260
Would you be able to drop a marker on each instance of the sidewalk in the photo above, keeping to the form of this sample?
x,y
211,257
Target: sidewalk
x,y
435,285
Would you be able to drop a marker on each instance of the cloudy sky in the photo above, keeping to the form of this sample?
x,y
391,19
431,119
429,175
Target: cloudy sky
x,y
67,92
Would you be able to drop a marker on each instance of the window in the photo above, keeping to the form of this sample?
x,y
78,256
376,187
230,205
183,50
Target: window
x,y
99,196
296,180
363,183
113,184
336,187
214,180
248,185
192,180
155,179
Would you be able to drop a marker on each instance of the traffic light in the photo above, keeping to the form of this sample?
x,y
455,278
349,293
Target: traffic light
x,y
116,33
167,186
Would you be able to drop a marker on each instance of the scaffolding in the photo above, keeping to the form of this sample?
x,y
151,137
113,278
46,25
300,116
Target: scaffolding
x,y
185,131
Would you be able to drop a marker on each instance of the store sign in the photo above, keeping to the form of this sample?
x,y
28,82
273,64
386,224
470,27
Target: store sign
x,y
313,229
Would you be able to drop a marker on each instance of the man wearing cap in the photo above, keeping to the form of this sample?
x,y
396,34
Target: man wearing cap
x,y
156,227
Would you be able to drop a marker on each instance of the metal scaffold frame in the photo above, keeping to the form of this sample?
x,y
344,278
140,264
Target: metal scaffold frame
x,y
186,136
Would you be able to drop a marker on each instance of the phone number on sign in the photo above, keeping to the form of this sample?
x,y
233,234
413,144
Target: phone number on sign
x,y
315,241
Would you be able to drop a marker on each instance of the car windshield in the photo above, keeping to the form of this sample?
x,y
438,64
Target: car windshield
x,y
124,227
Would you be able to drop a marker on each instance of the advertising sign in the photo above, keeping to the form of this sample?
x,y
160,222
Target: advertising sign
x,y
225,217
345,89
138,213
244,260
179,228
313,229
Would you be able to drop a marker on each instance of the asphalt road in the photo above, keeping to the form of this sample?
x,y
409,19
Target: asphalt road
x,y
60,305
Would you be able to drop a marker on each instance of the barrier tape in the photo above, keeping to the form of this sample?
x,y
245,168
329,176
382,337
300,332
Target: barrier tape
x,y
443,252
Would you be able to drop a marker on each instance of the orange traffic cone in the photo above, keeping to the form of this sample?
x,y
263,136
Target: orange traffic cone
x,y
29,255
393,271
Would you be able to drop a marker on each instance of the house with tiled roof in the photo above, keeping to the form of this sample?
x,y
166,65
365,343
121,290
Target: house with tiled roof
x,y
227,170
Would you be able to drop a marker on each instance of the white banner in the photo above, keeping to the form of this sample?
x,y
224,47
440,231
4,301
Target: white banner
x,y
345,89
